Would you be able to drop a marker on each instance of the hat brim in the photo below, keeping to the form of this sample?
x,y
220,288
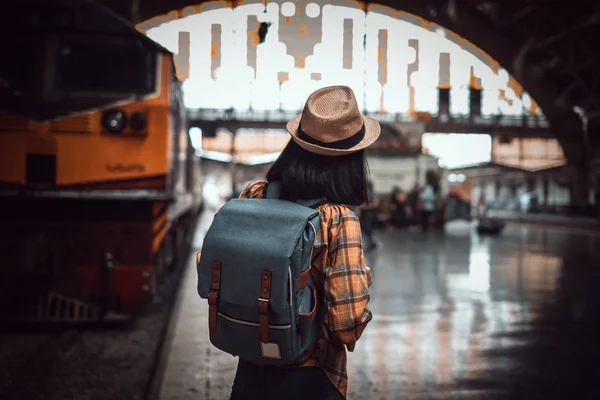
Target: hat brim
x,y
372,131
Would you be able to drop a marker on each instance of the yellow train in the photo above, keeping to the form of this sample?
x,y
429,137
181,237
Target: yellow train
x,y
95,205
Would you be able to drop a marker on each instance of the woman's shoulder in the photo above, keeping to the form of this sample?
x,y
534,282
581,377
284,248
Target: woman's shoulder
x,y
336,213
254,190
331,212
337,221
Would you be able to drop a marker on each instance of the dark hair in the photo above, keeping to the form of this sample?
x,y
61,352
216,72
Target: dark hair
x,y
306,175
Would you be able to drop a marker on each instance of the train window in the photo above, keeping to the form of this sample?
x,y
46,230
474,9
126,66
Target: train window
x,y
118,67
17,68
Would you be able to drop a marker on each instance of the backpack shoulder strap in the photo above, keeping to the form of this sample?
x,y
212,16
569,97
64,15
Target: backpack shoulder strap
x,y
274,192
312,203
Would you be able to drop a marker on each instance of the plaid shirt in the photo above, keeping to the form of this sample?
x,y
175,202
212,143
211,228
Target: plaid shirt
x,y
337,264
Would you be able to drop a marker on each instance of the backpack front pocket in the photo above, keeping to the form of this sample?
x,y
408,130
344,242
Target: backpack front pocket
x,y
230,330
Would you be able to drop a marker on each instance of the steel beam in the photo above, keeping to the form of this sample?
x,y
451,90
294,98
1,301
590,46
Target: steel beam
x,y
592,20
516,17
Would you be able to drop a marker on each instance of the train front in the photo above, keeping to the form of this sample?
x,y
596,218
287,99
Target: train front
x,y
96,169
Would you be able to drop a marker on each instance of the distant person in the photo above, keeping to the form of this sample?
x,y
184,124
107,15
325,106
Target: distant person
x,y
481,206
457,207
440,209
429,204
399,212
413,203
368,218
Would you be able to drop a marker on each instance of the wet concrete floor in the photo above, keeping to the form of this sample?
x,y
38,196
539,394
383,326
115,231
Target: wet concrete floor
x,y
456,316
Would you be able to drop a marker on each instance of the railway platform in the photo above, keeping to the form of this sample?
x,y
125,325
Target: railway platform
x,y
455,316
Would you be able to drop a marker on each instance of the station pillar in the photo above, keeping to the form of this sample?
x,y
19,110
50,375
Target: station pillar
x,y
581,180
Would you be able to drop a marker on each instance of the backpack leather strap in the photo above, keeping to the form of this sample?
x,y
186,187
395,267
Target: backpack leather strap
x,y
273,190
213,296
304,275
263,305
312,203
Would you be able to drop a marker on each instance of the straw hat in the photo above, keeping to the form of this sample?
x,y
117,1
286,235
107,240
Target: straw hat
x,y
331,123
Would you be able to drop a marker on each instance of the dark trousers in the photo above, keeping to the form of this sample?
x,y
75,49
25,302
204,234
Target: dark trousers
x,y
399,220
254,382
425,216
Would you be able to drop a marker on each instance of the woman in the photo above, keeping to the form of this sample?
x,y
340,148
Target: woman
x,y
324,159
398,207
429,200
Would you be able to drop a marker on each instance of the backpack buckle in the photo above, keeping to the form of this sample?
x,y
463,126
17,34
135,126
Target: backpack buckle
x,y
269,350
213,296
263,306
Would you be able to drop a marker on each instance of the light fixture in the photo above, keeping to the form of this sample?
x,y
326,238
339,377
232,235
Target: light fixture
x,y
114,120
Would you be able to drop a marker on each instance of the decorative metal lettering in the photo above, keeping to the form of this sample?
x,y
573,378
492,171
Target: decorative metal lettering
x,y
394,61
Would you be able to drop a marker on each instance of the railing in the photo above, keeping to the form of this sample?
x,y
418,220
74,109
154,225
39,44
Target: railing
x,y
525,121
281,116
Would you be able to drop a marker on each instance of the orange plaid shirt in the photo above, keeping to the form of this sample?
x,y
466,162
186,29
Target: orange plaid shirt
x,y
337,264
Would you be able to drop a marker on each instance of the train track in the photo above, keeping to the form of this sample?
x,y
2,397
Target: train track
x,y
88,362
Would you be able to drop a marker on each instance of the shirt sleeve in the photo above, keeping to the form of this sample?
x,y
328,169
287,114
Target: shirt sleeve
x,y
346,288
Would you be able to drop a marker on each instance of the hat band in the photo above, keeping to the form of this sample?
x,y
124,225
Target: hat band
x,y
343,144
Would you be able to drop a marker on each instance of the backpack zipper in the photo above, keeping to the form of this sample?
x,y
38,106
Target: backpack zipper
x,y
314,230
313,243
247,323
290,284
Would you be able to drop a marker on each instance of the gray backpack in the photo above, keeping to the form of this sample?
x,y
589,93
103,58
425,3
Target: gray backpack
x,y
255,271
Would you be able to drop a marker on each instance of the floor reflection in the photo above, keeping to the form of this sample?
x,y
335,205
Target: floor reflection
x,y
463,316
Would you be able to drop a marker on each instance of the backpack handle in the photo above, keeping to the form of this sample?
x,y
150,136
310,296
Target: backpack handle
x,y
274,192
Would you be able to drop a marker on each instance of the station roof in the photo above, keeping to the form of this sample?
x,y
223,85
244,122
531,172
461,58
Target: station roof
x,y
549,46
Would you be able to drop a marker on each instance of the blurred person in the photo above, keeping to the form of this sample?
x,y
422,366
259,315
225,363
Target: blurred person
x,y
399,208
368,218
414,204
440,209
429,205
481,206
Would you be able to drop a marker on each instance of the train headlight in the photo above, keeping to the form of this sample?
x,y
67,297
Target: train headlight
x,y
114,120
139,121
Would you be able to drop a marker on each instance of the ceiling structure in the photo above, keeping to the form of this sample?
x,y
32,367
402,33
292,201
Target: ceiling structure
x,y
549,46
